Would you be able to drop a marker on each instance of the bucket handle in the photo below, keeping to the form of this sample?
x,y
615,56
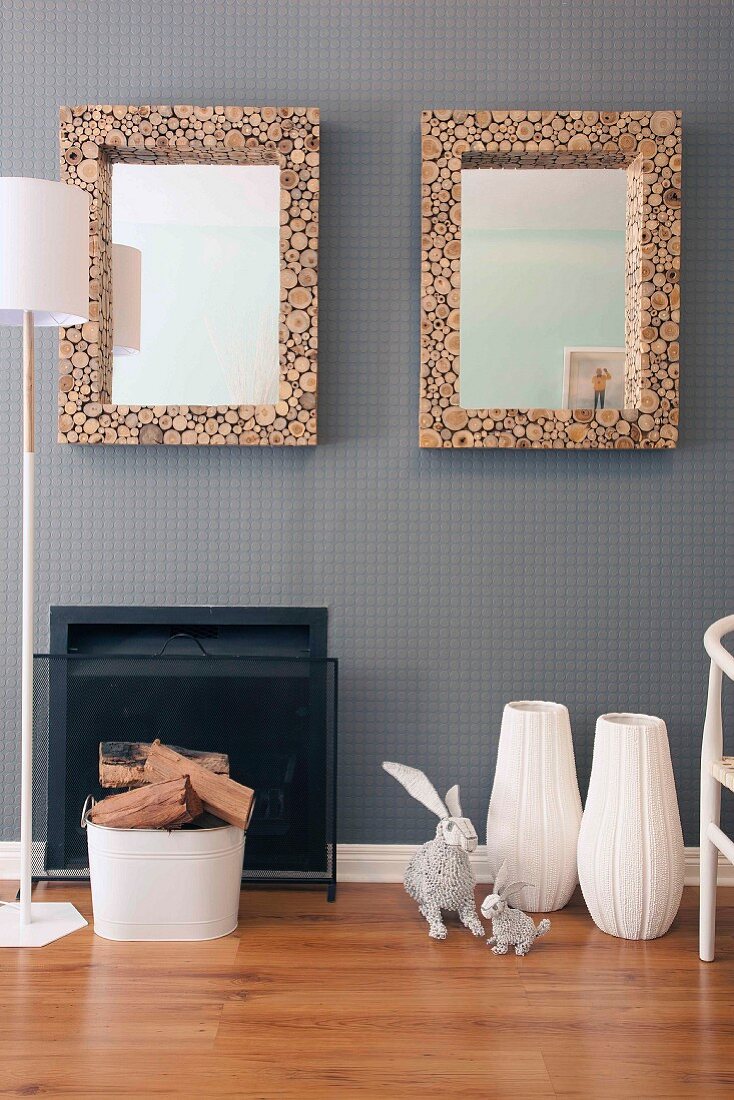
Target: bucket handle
x,y
89,803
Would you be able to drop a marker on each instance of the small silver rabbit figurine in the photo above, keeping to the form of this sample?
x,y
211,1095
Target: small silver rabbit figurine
x,y
510,927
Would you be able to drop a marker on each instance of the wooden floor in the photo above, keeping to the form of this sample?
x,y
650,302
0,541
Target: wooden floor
x,y
353,999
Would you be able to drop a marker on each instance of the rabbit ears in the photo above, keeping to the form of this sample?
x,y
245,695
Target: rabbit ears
x,y
453,804
502,885
420,787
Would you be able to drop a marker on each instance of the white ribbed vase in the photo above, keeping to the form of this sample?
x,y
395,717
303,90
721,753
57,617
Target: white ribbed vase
x,y
535,808
631,844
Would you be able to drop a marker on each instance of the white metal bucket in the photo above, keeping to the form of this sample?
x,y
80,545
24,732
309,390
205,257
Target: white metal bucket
x,y
153,884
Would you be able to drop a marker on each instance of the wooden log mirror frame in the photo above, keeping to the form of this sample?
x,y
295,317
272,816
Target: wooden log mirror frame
x,y
93,139
648,145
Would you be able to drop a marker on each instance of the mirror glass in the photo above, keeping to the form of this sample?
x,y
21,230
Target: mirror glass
x,y
210,283
542,320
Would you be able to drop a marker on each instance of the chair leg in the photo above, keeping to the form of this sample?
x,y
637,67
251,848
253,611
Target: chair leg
x,y
709,859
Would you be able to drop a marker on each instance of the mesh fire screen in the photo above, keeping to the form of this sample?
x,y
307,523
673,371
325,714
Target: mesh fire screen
x,y
275,717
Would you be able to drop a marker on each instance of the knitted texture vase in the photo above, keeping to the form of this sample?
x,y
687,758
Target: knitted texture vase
x,y
630,852
535,808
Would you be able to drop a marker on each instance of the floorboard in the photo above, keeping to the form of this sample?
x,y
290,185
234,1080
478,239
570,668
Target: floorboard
x,y
353,999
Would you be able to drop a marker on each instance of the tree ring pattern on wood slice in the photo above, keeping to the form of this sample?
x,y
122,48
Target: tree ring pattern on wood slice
x,y
93,138
648,145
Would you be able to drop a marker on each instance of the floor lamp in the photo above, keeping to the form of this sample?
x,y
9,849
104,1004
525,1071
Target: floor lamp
x,y
44,280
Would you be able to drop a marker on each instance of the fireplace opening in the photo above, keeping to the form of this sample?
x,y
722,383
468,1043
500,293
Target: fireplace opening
x,y
254,683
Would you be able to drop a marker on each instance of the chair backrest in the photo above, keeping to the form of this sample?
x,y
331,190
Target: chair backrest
x,y
721,661
712,643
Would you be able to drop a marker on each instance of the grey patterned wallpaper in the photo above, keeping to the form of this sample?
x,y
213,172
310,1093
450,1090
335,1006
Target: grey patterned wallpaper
x,y
455,581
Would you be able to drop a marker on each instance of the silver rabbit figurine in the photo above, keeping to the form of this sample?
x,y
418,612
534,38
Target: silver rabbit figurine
x,y
510,927
439,876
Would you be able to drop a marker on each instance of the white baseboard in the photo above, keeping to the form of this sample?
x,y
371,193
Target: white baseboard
x,y
385,863
9,859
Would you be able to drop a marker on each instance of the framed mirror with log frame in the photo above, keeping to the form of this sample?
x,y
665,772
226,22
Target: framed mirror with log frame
x,y
229,230
559,293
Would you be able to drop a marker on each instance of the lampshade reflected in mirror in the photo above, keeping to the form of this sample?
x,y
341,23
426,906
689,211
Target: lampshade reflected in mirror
x,y
126,265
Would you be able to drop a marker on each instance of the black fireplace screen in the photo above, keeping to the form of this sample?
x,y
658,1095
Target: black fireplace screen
x,y
275,717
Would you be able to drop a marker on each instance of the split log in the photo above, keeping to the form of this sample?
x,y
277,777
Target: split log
x,y
155,806
122,763
231,801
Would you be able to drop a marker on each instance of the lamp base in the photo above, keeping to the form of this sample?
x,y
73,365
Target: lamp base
x,y
49,921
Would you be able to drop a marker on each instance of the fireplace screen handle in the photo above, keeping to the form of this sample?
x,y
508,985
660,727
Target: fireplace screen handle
x,y
181,634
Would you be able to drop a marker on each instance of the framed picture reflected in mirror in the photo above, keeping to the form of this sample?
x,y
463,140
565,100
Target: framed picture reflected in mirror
x,y
593,378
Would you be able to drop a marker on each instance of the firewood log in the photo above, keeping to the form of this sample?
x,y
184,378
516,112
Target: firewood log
x,y
154,806
231,801
122,763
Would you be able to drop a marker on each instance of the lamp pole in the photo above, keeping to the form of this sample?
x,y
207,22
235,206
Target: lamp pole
x,y
26,754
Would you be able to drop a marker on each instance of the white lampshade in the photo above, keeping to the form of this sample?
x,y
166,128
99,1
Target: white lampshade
x,y
44,252
125,299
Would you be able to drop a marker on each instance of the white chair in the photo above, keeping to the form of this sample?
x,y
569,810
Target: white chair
x,y
717,771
